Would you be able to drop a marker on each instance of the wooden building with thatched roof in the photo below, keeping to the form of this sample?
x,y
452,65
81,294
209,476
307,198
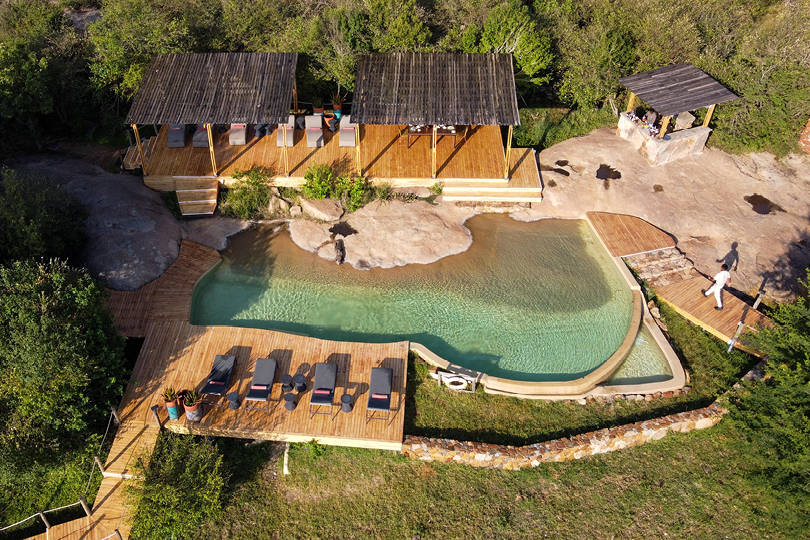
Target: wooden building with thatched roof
x,y
418,119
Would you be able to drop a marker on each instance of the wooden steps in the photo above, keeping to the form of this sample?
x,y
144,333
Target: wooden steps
x,y
489,192
197,196
132,160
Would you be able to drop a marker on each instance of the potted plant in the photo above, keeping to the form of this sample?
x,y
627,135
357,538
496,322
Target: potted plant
x,y
317,105
337,103
193,405
170,398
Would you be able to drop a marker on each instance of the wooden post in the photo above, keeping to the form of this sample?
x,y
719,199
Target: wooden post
x,y
47,525
211,148
295,95
357,140
508,151
100,465
760,294
115,415
286,159
433,167
664,126
631,102
118,535
156,417
86,508
709,116
140,148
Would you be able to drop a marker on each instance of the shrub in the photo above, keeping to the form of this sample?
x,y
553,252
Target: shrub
x,y
383,191
38,218
249,196
61,357
318,182
436,189
182,486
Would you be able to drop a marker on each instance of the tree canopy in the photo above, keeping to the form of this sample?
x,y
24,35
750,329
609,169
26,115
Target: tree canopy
x,y
61,357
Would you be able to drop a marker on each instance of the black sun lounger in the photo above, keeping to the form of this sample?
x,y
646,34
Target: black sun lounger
x,y
262,383
323,388
379,393
219,378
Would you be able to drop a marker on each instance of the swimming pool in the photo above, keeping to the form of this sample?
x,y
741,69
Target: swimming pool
x,y
535,301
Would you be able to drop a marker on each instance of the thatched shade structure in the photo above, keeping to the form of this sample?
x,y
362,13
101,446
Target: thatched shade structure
x,y
672,90
427,89
215,88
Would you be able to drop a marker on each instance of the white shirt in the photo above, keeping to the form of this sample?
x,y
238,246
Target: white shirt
x,y
722,278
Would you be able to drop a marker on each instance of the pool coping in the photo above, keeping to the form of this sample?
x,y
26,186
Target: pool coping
x,y
589,384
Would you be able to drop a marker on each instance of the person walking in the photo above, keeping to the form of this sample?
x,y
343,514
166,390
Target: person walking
x,y
722,279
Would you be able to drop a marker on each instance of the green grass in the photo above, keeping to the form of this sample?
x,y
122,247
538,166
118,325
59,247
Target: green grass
x,y
435,411
686,486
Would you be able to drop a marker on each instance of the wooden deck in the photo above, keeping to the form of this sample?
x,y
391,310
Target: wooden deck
x,y
180,354
628,235
685,297
385,156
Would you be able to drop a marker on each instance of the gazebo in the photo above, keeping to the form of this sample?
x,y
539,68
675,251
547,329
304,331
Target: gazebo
x,y
423,91
671,91
215,88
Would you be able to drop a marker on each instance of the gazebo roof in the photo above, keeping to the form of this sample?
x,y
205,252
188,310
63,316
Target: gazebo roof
x,y
216,88
673,90
427,89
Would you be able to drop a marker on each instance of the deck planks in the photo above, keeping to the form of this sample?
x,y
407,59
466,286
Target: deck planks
x,y
625,235
384,156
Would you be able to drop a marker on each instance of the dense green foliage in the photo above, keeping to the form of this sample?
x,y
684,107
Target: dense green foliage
x,y
567,53
320,182
182,485
249,196
774,413
60,358
37,218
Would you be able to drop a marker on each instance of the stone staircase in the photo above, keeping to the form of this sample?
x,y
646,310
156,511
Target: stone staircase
x,y
662,267
197,196
489,191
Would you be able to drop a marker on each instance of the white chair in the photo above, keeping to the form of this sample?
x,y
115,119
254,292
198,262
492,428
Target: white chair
x,y
314,131
238,135
348,131
289,128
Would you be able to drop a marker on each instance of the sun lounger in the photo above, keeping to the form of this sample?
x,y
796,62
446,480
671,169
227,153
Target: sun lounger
x,y
219,378
323,388
379,393
177,135
200,137
262,383
238,135
348,131
314,131
289,128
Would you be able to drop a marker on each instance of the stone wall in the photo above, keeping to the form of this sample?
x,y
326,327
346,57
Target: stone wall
x,y
804,139
676,144
495,456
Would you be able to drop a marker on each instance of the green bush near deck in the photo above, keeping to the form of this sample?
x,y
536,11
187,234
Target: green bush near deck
x,y
38,218
320,182
249,196
545,127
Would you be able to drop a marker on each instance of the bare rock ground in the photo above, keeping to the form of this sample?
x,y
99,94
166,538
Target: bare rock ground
x,y
750,211
132,236
390,234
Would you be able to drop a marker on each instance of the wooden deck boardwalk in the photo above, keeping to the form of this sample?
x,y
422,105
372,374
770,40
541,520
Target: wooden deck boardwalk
x,y
384,155
628,235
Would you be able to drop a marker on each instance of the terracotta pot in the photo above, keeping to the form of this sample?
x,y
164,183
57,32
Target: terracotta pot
x,y
173,409
194,413
317,110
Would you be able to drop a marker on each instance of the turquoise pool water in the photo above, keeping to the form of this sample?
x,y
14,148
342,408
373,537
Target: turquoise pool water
x,y
528,301
645,363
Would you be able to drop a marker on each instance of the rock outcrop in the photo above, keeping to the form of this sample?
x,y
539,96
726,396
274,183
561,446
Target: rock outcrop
x,y
325,210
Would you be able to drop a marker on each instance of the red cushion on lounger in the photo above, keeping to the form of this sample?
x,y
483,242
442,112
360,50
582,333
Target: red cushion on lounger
x,y
238,126
217,382
259,387
322,392
379,396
